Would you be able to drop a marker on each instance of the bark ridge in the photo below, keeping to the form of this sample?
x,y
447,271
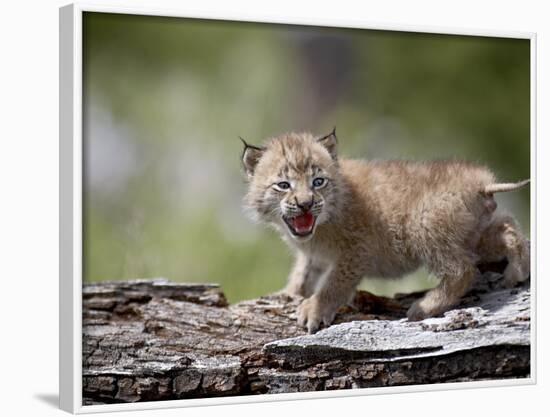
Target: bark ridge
x,y
147,340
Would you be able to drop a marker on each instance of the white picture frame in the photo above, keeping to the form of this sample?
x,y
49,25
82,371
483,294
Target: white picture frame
x,y
70,293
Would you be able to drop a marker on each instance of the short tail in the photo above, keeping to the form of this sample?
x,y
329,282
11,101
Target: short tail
x,y
498,188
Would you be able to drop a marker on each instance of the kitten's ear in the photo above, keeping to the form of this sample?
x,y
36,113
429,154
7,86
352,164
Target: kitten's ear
x,y
330,142
251,156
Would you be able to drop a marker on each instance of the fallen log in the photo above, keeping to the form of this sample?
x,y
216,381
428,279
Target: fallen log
x,y
148,340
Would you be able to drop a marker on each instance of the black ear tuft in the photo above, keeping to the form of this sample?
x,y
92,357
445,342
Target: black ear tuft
x,y
250,157
330,142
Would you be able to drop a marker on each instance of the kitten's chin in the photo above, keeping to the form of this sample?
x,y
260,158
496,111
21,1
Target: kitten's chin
x,y
300,238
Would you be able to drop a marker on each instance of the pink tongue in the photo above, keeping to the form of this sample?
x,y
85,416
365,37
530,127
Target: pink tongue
x,y
303,223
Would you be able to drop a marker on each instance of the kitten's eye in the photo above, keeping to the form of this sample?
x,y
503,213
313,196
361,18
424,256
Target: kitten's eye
x,y
283,185
319,182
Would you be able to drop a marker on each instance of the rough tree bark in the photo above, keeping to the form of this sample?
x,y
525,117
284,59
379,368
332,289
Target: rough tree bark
x,y
156,340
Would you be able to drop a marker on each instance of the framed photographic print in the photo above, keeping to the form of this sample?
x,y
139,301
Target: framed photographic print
x,y
258,210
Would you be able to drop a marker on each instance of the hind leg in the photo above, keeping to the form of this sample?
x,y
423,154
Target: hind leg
x,y
457,275
503,239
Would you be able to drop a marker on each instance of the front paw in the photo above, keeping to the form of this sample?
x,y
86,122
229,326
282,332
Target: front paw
x,y
312,312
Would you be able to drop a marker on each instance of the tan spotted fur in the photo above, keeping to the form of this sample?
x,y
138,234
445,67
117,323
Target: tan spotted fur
x,y
380,219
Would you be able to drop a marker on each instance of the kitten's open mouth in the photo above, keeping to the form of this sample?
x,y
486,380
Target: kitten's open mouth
x,y
301,225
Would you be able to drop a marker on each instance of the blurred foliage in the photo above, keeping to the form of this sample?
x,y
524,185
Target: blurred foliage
x,y
165,100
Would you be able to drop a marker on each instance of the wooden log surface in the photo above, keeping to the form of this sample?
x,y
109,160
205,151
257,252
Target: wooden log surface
x,y
147,340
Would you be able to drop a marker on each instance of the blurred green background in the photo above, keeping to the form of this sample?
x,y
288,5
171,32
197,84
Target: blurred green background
x,y
165,100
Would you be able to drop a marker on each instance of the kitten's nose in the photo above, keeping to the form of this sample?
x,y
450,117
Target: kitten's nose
x,y
305,205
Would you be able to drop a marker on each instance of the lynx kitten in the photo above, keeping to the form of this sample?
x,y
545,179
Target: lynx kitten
x,y
346,219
